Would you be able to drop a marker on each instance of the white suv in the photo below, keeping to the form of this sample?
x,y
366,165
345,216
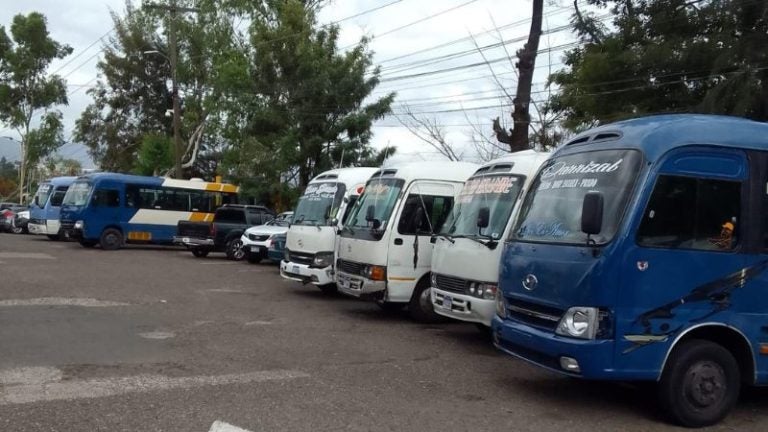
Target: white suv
x,y
257,240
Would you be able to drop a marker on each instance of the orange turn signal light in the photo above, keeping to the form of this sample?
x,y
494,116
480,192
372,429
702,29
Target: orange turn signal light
x,y
763,349
378,273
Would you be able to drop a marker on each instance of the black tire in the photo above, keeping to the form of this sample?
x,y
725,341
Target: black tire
x,y
199,252
53,237
16,229
328,288
88,243
234,249
420,307
700,383
111,239
253,258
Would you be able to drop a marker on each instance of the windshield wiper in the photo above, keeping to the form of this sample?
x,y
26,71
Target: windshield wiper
x,y
445,236
490,243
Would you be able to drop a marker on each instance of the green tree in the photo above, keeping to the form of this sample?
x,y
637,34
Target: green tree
x,y
133,98
27,90
296,106
666,56
154,156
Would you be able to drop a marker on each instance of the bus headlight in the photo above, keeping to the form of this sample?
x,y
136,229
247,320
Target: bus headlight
x,y
483,290
323,259
79,225
501,305
579,322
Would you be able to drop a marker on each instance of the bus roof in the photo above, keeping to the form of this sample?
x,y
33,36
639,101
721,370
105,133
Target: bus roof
x,y
655,135
525,162
61,181
349,176
429,170
161,181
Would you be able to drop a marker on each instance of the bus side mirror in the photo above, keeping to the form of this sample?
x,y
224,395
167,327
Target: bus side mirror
x,y
36,201
592,213
334,221
483,217
370,213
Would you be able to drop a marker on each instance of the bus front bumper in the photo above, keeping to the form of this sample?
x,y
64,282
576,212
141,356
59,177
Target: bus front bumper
x,y
360,287
44,227
463,307
548,350
305,274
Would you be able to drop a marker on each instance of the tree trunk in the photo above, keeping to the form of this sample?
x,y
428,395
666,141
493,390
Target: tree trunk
x,y
22,170
521,116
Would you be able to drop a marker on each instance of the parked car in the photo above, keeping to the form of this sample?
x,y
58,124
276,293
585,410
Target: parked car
x,y
276,250
258,239
224,233
14,218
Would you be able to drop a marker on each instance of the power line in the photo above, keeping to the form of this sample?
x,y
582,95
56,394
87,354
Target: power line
x,y
419,21
83,51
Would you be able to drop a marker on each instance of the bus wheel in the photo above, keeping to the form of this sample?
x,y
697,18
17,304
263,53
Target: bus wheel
x,y
234,249
420,306
111,239
700,383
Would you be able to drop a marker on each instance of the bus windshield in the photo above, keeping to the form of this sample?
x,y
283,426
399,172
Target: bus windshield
x,y
552,210
77,194
43,192
380,196
319,203
498,193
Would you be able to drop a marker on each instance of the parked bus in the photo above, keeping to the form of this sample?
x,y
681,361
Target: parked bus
x,y
479,222
111,209
320,213
46,206
641,254
385,249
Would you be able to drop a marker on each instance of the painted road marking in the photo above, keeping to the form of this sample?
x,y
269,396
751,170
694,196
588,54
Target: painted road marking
x,y
220,426
226,290
104,387
61,301
26,255
255,323
30,375
157,335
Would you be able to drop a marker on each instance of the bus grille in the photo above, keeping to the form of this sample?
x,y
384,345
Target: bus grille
x,y
452,284
533,314
301,258
350,267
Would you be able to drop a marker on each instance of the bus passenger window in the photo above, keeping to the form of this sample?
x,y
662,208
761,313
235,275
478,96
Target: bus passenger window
x,y
692,213
106,198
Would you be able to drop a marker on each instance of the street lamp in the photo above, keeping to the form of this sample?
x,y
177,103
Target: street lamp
x,y
176,111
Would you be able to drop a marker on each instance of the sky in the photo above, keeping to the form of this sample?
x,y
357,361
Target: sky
x,y
425,50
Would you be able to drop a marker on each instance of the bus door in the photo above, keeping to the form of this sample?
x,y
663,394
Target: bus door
x,y
684,255
105,206
423,211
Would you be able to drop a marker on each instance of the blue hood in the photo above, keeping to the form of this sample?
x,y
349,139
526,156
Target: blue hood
x,y
563,275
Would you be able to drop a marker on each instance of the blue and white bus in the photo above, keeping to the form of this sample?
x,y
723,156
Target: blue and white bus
x,y
640,254
111,209
46,206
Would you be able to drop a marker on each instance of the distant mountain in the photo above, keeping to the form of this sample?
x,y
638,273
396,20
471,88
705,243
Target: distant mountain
x,y
10,150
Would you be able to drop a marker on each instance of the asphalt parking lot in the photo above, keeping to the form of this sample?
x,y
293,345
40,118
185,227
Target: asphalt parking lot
x,y
153,339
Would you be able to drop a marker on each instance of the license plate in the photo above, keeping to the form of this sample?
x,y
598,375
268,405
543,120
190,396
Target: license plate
x,y
296,270
255,249
447,302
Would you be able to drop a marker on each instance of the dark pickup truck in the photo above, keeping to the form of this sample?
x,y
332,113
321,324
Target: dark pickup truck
x,y
223,234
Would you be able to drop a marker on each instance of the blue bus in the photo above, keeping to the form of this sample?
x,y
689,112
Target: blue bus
x,y
46,205
110,209
640,254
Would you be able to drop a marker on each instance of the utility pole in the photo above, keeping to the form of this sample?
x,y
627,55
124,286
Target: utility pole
x,y
173,9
